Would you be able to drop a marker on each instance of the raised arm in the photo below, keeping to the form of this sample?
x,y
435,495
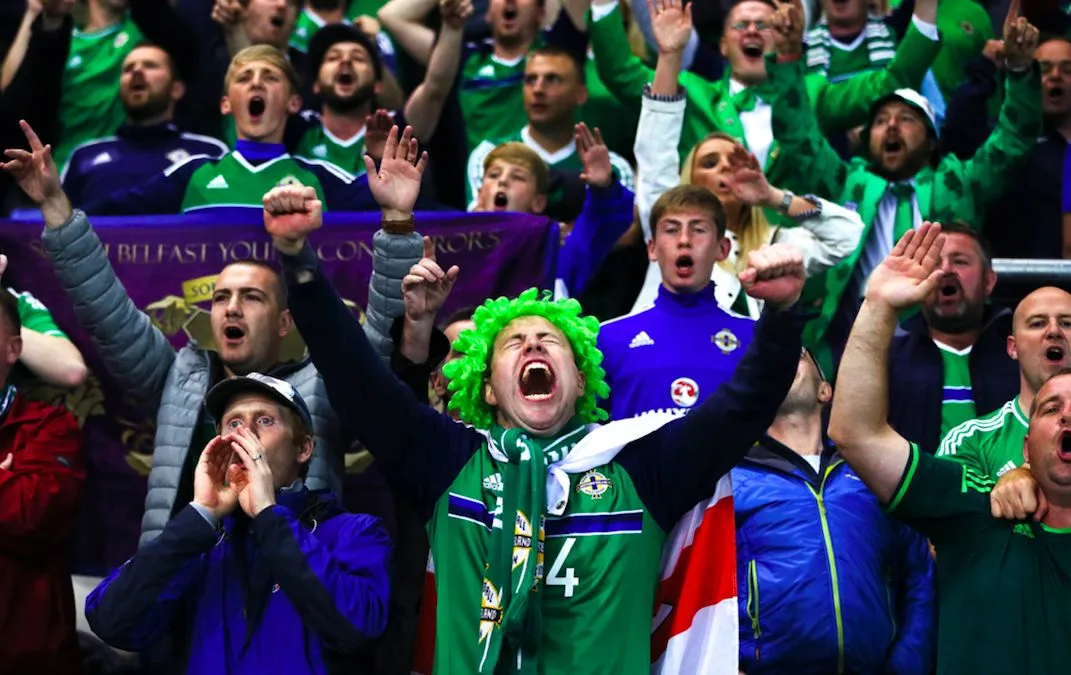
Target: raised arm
x,y
16,52
1020,120
136,353
846,104
420,450
406,19
425,105
858,422
607,214
46,350
679,465
623,73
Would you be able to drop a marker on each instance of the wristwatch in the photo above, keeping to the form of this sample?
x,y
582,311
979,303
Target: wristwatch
x,y
786,202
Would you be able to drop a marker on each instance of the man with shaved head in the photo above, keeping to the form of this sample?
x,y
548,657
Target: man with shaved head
x,y
1041,342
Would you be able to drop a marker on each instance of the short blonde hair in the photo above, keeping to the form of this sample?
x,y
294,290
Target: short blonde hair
x,y
521,155
267,54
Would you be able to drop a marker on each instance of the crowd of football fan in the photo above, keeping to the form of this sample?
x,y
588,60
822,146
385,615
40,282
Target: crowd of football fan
x,y
785,215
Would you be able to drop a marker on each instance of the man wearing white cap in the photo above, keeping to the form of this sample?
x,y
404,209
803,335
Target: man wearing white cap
x,y
901,180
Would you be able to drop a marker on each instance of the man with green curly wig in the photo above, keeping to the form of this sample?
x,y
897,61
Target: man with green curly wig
x,y
546,529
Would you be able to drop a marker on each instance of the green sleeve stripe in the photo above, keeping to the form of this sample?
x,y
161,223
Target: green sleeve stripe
x,y
905,480
972,480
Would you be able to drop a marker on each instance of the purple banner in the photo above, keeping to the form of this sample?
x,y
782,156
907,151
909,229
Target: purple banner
x,y
168,266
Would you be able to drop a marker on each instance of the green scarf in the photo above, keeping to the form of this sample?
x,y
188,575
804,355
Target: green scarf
x,y
513,642
879,40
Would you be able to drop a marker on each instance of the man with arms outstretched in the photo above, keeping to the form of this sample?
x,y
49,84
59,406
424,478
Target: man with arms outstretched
x,y
986,567
527,384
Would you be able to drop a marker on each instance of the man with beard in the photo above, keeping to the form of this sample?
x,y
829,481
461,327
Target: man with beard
x,y
950,363
554,92
987,568
901,180
531,485
261,94
1041,343
347,71
739,104
866,587
492,72
148,142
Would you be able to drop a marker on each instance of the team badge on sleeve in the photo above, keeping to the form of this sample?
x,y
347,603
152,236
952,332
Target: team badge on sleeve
x,y
685,391
593,484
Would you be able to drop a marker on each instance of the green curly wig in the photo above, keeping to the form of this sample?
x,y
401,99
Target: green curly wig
x,y
467,373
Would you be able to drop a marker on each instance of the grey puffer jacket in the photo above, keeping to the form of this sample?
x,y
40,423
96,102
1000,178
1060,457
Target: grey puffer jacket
x,y
173,385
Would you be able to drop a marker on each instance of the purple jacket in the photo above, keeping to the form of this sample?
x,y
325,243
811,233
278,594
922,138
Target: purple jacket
x,y
298,589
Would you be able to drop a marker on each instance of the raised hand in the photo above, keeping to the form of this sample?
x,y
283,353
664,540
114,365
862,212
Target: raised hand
x,y
910,272
774,273
290,214
671,23
258,489
595,157
367,25
34,171
397,185
227,13
1017,495
748,183
426,287
1020,39
213,488
455,13
376,128
787,25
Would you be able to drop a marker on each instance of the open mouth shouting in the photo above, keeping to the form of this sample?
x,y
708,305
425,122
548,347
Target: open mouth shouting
x,y
893,148
537,382
1054,94
948,289
233,335
277,21
1064,448
752,48
509,13
684,266
501,200
257,106
345,78
1055,354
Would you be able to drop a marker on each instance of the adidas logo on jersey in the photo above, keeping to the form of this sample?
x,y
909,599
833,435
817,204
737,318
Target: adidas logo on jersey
x,y
486,71
642,339
493,482
320,150
217,183
1005,469
102,158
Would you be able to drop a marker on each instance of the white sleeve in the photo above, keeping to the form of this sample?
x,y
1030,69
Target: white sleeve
x,y
826,239
657,136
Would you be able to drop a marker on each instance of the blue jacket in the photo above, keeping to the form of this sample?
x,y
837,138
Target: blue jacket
x,y
313,582
827,583
916,376
132,156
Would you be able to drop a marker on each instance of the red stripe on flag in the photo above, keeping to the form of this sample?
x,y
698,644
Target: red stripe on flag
x,y
705,574
424,655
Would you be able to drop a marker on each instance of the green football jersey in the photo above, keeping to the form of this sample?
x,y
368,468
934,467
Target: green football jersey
x,y
491,96
89,105
1002,586
565,159
957,404
844,63
319,143
232,181
989,445
601,569
34,315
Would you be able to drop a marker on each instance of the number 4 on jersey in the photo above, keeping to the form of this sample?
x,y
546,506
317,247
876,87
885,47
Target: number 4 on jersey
x,y
570,580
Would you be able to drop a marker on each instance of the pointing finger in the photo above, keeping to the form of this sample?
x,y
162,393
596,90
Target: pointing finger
x,y
429,248
31,136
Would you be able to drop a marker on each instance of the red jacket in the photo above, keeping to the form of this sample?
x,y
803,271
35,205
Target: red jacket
x,y
38,501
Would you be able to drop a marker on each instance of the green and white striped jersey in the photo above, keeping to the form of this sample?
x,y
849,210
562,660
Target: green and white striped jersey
x,y
990,445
